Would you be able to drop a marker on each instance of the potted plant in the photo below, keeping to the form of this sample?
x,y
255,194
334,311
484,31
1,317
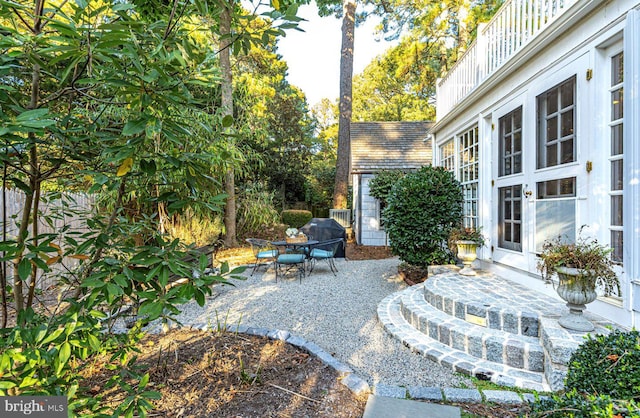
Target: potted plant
x,y
466,240
581,267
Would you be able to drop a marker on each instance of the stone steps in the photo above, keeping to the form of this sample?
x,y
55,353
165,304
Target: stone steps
x,y
483,301
495,345
486,326
390,315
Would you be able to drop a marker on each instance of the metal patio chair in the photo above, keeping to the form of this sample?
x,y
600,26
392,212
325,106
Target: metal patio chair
x,y
264,252
291,261
326,251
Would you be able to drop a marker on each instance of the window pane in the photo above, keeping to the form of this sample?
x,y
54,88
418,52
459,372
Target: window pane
x,y
566,150
617,68
552,155
552,129
616,175
567,123
517,163
516,233
616,210
566,93
616,140
616,104
509,233
552,102
553,218
616,244
517,118
517,142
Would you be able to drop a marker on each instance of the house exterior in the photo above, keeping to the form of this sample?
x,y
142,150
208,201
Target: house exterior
x,y
377,146
540,121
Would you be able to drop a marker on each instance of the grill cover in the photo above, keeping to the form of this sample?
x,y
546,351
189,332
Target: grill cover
x,y
323,229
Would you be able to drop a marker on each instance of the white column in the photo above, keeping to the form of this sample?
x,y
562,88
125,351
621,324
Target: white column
x,y
632,156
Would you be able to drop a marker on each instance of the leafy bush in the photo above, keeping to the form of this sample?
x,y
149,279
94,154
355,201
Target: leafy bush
x,y
607,364
422,208
296,218
575,405
381,184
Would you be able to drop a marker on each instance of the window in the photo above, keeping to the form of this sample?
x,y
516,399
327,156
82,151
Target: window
x,y
468,175
617,176
448,155
555,210
556,125
510,216
510,143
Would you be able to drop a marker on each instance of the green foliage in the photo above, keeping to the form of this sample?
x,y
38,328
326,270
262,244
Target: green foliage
x,y
320,183
256,210
422,208
296,218
381,184
98,98
607,364
575,405
584,254
461,233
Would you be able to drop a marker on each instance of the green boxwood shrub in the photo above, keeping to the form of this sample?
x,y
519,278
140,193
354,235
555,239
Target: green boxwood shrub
x,y
296,218
422,208
608,364
575,405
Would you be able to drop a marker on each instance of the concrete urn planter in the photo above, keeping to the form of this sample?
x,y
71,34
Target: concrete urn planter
x,y
467,254
577,288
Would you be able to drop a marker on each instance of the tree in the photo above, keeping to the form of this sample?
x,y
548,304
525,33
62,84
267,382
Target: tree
x,y
348,14
227,112
96,96
389,89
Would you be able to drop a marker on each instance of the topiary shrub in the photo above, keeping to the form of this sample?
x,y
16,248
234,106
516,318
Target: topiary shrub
x,y
296,218
607,364
575,405
422,208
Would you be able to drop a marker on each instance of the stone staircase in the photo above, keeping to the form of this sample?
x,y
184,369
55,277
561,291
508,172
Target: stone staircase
x,y
485,326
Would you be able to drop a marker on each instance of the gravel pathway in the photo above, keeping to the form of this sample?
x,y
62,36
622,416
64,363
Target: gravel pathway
x,y
337,313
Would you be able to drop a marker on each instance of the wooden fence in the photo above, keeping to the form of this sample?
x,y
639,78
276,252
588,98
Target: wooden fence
x,y
57,212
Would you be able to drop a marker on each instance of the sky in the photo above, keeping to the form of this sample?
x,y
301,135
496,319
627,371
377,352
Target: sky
x,y
313,56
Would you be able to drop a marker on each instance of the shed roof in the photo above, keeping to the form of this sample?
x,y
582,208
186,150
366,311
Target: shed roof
x,y
379,146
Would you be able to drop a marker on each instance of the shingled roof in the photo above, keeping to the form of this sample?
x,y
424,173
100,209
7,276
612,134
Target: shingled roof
x,y
379,146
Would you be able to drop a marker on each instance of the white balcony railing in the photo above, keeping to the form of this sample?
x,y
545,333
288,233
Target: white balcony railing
x,y
513,26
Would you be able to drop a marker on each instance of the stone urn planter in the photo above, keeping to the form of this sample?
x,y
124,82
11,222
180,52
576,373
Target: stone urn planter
x,y
467,254
582,267
577,287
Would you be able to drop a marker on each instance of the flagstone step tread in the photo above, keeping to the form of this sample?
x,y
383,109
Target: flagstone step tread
x,y
495,345
501,304
389,314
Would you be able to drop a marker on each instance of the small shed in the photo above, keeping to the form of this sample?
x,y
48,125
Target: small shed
x,y
377,146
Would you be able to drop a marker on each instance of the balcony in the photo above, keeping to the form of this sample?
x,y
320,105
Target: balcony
x,y
515,25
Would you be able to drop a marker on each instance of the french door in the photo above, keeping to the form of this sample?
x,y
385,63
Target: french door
x,y
539,180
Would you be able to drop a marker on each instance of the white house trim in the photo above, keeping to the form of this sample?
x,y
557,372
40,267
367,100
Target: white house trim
x,y
573,51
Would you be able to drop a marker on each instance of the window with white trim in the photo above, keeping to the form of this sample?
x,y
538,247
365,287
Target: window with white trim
x,y
617,156
557,125
468,175
448,155
510,143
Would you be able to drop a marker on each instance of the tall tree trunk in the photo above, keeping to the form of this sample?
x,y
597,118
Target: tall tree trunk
x,y
230,239
340,191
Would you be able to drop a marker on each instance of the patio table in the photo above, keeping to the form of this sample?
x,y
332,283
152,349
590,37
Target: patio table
x,y
306,246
